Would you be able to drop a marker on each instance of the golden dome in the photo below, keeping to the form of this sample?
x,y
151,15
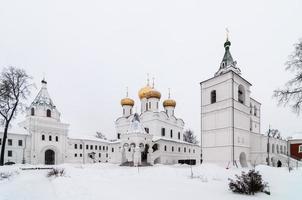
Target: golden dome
x,y
142,93
169,102
153,93
127,102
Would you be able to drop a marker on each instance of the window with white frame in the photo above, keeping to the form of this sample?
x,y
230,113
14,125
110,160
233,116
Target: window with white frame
x,y
300,148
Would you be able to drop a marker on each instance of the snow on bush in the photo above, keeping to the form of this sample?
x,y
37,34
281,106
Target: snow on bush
x,y
248,183
7,175
56,172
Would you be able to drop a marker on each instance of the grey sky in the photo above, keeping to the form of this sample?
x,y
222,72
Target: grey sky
x,y
91,50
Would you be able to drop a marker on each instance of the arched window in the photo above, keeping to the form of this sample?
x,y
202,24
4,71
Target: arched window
x,y
213,96
165,148
241,94
32,111
185,149
50,138
171,133
48,113
179,135
251,109
172,149
57,139
43,137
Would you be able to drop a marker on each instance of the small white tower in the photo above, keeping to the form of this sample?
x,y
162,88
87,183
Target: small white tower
x,y
153,97
127,105
169,105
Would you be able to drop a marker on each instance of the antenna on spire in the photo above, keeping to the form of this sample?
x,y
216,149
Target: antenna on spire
x,y
153,81
169,89
148,80
227,33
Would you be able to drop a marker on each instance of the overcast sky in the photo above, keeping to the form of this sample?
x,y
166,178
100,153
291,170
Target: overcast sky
x,y
91,50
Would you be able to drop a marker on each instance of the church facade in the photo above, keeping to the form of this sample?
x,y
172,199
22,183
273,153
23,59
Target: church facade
x,y
151,137
231,120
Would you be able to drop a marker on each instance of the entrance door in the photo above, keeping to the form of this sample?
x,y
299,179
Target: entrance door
x,y
49,157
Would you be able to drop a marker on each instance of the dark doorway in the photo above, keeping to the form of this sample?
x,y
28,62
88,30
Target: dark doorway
x,y
188,162
279,163
49,157
145,153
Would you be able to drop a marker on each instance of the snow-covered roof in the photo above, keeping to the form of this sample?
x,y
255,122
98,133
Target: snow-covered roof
x,y
90,138
297,136
156,138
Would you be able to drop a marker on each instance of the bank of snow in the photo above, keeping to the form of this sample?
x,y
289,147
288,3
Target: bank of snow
x,y
108,181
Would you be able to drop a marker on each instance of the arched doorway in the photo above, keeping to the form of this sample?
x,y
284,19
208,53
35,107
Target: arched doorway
x,y
279,163
242,159
49,157
145,153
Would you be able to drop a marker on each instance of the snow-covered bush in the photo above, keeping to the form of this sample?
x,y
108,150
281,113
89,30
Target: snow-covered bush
x,y
56,172
248,183
7,175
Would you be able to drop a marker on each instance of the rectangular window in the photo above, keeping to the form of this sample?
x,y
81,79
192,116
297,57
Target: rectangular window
x,y
163,131
100,155
100,148
107,148
149,105
87,147
300,149
91,147
118,136
103,148
75,155
171,133
75,146
20,143
57,139
10,153
81,146
112,149
81,155
179,135
10,142
96,147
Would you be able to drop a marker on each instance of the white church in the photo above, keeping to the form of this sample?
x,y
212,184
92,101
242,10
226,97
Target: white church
x,y
154,136
230,130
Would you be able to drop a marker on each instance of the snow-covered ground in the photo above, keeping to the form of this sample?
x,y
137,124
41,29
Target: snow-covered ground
x,y
108,181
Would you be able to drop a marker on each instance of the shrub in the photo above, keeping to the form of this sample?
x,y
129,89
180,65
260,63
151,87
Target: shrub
x,y
248,183
56,172
7,175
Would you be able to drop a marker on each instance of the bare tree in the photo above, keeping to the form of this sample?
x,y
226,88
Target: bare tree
x,y
190,137
291,94
14,89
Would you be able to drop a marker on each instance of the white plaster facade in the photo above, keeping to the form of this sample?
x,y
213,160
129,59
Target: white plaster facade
x,y
231,119
45,139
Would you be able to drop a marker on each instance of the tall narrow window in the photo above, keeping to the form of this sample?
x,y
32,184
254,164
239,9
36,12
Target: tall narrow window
x,y
172,149
255,111
75,146
57,139
146,106
9,153
118,136
163,131
20,143
48,113
241,94
10,142
179,135
32,111
50,138
43,137
171,133
213,96
165,148
149,105
81,146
